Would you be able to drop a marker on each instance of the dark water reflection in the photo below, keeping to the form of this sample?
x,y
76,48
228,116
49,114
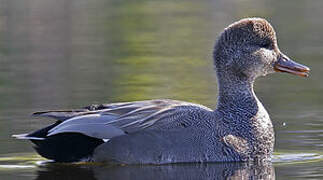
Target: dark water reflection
x,y
71,53
175,172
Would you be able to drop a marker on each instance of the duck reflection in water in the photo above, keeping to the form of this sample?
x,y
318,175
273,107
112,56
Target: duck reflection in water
x,y
216,171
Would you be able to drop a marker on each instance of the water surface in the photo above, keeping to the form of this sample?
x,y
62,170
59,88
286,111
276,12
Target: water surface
x,y
72,53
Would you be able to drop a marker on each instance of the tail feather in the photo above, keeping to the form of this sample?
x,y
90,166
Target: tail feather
x,y
25,136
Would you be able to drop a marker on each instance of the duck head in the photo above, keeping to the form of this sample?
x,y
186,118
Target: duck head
x,y
248,49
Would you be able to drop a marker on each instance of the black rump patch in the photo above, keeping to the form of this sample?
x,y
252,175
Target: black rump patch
x,y
67,147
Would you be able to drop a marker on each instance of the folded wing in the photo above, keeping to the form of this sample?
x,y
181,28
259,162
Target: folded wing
x,y
106,121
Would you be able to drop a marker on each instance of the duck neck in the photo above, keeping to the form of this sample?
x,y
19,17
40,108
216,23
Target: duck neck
x,y
237,97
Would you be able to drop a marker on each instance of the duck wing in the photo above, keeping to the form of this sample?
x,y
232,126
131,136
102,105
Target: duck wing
x,y
106,121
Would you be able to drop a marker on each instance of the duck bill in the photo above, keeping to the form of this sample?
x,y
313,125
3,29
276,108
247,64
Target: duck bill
x,y
284,64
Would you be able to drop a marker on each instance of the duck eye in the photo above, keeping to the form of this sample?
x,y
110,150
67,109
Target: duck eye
x,y
266,45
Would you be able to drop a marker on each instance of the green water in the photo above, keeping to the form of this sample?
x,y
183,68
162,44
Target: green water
x,y
72,53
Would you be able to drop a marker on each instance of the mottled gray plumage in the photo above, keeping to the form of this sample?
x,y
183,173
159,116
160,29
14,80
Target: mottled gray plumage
x,y
169,131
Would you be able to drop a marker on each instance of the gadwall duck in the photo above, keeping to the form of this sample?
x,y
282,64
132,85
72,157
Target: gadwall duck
x,y
169,131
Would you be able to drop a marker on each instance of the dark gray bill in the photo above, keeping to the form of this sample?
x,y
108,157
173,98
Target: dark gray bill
x,y
284,64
